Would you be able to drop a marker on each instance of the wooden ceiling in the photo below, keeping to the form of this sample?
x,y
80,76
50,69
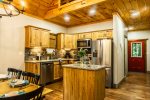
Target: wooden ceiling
x,y
105,10
37,8
81,16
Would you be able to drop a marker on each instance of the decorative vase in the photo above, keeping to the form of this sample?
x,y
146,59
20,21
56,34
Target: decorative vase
x,y
82,60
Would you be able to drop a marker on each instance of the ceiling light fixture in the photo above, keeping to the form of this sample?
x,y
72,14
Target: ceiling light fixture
x,y
134,13
130,28
11,10
67,17
93,10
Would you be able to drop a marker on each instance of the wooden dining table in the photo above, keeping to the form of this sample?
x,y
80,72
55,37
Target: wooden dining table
x,y
5,88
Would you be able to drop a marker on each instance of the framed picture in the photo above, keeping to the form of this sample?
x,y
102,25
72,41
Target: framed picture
x,y
136,49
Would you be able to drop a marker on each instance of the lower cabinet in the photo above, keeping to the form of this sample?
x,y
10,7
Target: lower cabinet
x,y
57,70
71,62
32,67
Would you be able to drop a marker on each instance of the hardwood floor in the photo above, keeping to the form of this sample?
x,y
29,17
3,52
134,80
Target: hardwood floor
x,y
135,87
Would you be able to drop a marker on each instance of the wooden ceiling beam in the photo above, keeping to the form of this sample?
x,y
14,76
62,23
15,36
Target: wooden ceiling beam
x,y
75,6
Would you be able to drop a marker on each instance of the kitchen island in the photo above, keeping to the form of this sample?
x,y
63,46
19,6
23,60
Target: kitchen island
x,y
84,82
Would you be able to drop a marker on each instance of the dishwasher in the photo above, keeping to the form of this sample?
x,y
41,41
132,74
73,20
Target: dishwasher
x,y
47,72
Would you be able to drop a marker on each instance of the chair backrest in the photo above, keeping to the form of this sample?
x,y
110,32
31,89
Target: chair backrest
x,y
33,95
14,72
31,77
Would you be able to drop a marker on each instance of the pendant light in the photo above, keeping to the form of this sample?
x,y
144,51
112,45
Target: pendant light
x,y
9,9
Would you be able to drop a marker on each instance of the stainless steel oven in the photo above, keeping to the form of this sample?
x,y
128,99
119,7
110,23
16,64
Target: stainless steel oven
x,y
84,43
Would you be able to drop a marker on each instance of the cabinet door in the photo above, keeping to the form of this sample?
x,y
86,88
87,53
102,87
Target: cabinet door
x,y
60,41
87,35
32,67
38,37
109,34
81,36
68,41
75,38
94,35
52,41
56,71
33,33
71,62
45,38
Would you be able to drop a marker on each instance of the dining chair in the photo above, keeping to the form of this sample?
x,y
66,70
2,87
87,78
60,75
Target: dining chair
x,y
31,77
33,95
14,72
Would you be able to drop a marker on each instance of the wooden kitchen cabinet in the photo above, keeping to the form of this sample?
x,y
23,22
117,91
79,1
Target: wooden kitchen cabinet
x,y
75,38
56,71
45,38
68,41
35,36
85,35
60,41
52,42
102,34
71,62
32,37
32,67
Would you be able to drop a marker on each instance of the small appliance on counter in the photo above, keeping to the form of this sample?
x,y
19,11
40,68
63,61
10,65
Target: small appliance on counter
x,y
73,53
67,55
61,53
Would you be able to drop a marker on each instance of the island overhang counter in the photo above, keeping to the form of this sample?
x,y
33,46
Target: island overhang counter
x,y
84,82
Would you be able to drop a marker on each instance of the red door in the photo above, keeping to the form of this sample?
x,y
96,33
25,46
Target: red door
x,y
137,55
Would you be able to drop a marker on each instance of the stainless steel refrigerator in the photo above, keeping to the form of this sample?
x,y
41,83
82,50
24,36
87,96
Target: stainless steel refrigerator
x,y
102,55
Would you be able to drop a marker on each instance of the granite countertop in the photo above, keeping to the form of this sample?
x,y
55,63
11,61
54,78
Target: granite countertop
x,y
50,60
84,66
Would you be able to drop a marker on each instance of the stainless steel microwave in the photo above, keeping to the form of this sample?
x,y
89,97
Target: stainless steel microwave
x,y
84,43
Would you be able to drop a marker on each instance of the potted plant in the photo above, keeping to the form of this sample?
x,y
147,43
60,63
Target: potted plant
x,y
82,54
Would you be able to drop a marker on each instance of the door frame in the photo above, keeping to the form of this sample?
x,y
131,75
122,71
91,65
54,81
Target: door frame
x,y
145,51
125,56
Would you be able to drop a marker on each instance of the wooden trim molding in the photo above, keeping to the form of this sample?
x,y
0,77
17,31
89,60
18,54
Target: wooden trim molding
x,y
138,39
75,6
148,72
37,27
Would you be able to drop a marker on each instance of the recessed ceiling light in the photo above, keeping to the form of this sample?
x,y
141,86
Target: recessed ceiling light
x,y
145,9
130,28
67,17
93,10
134,13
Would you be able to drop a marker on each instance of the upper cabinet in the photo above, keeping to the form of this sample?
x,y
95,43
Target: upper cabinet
x,y
85,35
31,35
74,41
101,34
52,41
36,37
66,41
60,41
45,38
